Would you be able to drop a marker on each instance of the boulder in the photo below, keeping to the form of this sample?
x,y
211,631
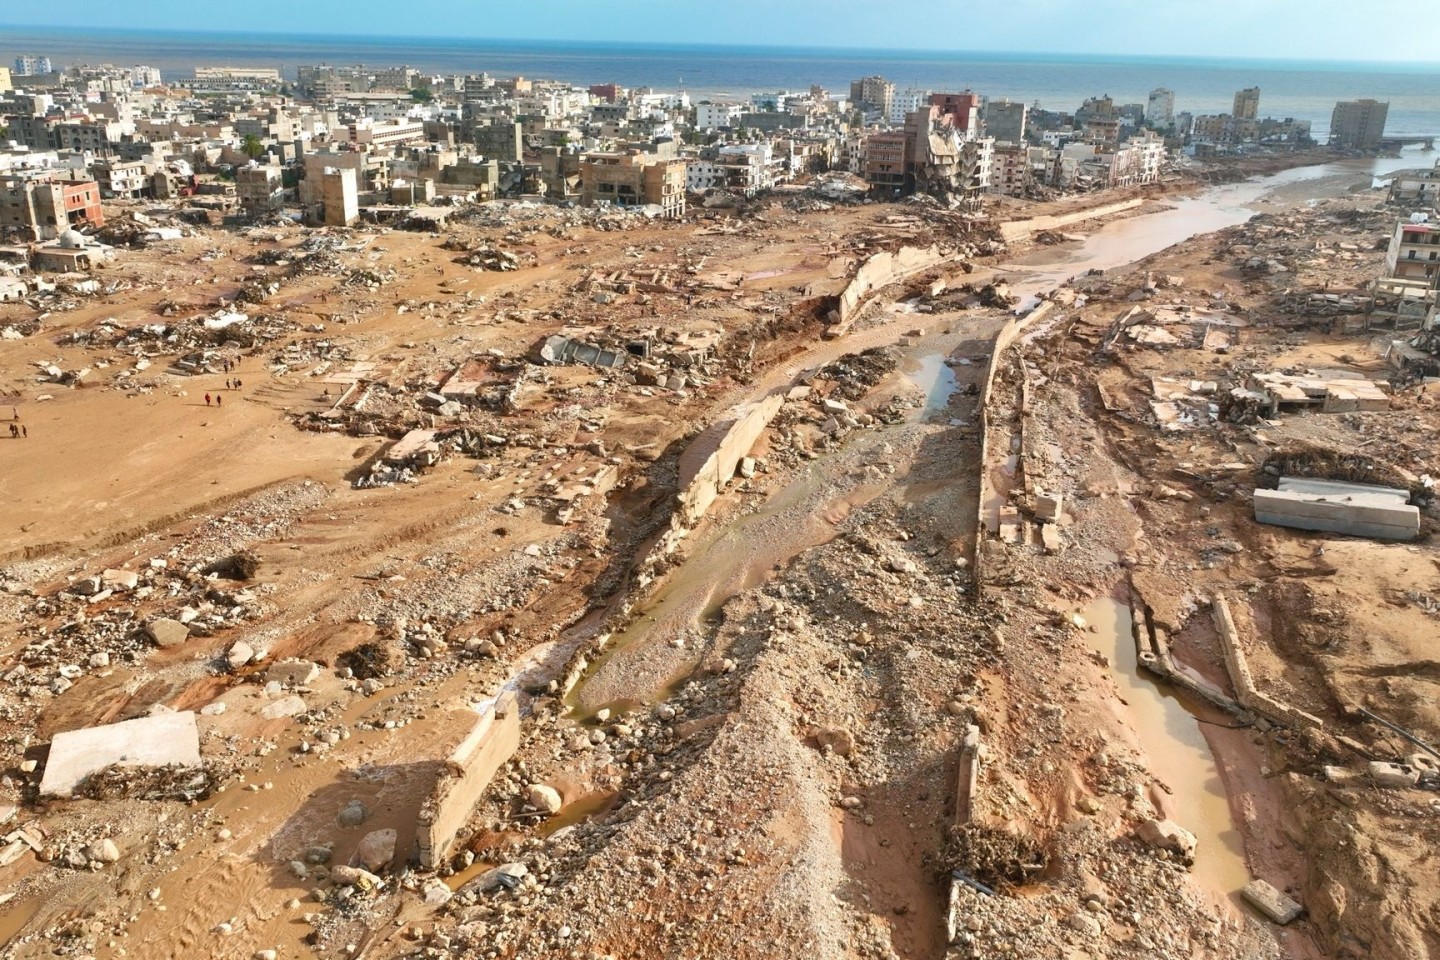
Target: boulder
x,y
120,579
166,632
435,892
355,877
377,849
353,814
544,798
284,707
103,850
1168,835
292,672
239,654
840,742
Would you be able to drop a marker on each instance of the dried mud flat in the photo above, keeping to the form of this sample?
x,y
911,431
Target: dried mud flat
x,y
763,759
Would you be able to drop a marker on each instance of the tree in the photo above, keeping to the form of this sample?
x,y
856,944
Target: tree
x,y
251,146
421,95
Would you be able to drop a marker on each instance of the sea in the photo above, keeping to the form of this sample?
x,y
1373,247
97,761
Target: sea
x,y
1305,90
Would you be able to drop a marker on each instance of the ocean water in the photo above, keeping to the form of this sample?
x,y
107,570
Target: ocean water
x,y
1302,89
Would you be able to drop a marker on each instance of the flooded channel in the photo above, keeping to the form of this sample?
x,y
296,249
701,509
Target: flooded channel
x,y
1125,241
1170,735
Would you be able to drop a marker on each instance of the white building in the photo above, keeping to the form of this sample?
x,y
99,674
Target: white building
x,y
906,103
717,116
142,76
1160,111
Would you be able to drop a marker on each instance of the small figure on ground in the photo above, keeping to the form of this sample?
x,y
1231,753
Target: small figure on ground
x,y
218,398
25,432
207,399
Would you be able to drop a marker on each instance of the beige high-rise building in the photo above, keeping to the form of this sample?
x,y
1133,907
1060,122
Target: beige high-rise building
x,y
1358,124
5,86
1247,104
873,93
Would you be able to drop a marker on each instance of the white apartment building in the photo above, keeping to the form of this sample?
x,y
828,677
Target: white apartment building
x,y
906,103
717,116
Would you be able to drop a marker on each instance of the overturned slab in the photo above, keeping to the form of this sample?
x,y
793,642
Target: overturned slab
x,y
164,740
713,457
468,772
1354,509
1271,902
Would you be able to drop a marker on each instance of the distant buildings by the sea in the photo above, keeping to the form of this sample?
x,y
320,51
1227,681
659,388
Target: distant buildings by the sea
x,y
328,141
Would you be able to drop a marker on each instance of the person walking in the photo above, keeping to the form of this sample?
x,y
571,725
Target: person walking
x,y
25,432
207,399
218,398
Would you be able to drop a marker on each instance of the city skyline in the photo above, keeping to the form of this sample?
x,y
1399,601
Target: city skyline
x,y
1285,30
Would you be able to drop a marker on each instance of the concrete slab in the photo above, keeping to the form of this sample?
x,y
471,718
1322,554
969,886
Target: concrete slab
x,y
1271,902
166,739
1360,515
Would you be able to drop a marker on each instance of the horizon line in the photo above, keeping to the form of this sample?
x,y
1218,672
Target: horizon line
x,y
631,44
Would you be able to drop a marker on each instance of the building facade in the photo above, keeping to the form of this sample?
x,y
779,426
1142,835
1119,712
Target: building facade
x,y
1358,124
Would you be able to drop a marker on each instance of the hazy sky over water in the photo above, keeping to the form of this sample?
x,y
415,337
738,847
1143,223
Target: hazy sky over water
x,y
1287,29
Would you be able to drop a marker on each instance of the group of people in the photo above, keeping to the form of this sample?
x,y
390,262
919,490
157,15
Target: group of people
x,y
230,383
17,429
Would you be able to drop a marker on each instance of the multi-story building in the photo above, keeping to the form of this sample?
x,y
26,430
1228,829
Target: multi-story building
x,y
1006,120
41,206
122,179
962,111
1358,124
904,104
1414,253
234,80
1247,104
873,94
1416,188
1160,109
5,85
884,162
27,66
142,77
634,179
258,188
717,116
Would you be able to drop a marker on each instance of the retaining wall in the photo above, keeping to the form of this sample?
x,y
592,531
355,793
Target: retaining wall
x,y
882,270
1241,678
1022,229
712,459
468,772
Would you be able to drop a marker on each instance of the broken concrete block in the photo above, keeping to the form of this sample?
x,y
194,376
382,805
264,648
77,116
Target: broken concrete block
x,y
1048,507
120,579
506,875
1271,902
1050,538
240,653
747,467
1396,775
166,632
162,740
834,406
284,707
544,798
293,672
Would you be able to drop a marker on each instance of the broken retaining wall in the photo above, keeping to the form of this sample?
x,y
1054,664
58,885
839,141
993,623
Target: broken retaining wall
x,y
1241,678
710,462
880,271
1023,229
468,772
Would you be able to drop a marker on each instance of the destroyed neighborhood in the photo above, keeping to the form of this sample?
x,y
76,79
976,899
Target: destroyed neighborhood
x,y
469,516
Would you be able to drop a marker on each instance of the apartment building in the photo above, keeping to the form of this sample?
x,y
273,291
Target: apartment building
x,y
1006,121
259,188
1358,124
634,179
1247,104
40,206
1414,253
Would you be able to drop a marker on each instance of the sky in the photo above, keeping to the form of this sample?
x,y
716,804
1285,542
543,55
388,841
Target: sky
x,y
1278,29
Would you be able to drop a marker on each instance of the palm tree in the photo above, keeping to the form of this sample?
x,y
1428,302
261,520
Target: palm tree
x,y
251,146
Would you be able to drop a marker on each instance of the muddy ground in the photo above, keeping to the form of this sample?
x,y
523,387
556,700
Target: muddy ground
x,y
763,761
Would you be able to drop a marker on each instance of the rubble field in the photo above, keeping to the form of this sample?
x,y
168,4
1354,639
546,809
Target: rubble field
x,y
565,583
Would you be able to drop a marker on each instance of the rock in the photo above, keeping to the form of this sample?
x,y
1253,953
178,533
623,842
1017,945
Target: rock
x,y
240,653
213,709
506,875
1086,924
292,672
284,707
850,803
355,877
377,849
166,632
120,579
900,565
1088,805
266,954
1049,507
1168,835
1271,902
298,869
747,467
544,798
838,741
435,892
320,854
665,712
353,814
103,850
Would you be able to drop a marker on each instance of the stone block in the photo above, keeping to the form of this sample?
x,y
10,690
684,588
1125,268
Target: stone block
x,y
1271,902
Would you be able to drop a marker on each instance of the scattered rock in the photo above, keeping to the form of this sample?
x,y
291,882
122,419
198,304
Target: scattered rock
x,y
166,632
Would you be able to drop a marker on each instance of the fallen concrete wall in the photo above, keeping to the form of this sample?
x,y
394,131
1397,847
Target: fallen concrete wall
x,y
1352,516
1241,678
1003,341
1021,229
882,270
710,462
468,772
